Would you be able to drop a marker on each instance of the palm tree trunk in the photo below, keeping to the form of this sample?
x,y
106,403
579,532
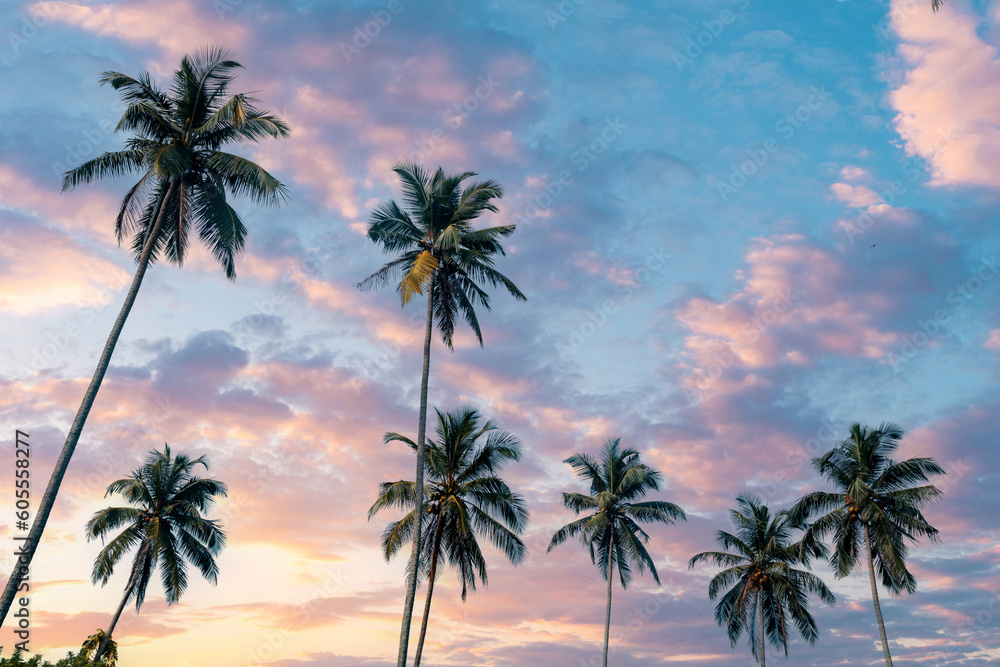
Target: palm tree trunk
x,y
763,643
607,616
430,591
878,609
62,463
114,621
411,575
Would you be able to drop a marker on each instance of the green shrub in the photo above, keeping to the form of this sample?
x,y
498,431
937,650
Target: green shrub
x,y
81,659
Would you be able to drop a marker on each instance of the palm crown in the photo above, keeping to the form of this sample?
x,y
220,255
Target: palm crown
x,y
165,524
437,247
465,497
177,150
611,529
875,495
764,590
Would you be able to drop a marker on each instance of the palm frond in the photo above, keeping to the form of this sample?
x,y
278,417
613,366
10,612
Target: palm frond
x,y
107,165
436,247
418,276
112,553
245,178
166,524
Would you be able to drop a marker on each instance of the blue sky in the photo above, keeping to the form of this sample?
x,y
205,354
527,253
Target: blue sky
x,y
742,226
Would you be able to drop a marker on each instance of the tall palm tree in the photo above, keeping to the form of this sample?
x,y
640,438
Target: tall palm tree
x,y
936,4
437,252
165,524
611,528
465,497
183,182
875,507
765,590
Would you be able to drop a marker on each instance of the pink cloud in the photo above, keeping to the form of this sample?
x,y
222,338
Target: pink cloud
x,y
174,26
942,114
793,304
857,196
74,275
70,630
993,342
854,173
319,166
90,212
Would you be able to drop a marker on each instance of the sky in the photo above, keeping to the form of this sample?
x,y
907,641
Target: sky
x,y
741,227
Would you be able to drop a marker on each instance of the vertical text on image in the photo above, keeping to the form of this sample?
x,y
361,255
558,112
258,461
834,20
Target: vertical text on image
x,y
22,514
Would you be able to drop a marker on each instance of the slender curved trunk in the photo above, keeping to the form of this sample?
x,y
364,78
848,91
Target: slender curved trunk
x,y
411,575
607,616
430,591
114,621
62,463
878,609
137,565
763,643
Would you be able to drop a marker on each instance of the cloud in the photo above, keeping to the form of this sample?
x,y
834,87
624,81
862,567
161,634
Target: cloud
x,y
941,116
796,303
174,27
856,196
993,342
41,269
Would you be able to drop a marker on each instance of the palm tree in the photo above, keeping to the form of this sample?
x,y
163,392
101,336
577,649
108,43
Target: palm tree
x,y
184,178
875,506
437,252
611,529
466,497
165,525
765,589
936,4
91,645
